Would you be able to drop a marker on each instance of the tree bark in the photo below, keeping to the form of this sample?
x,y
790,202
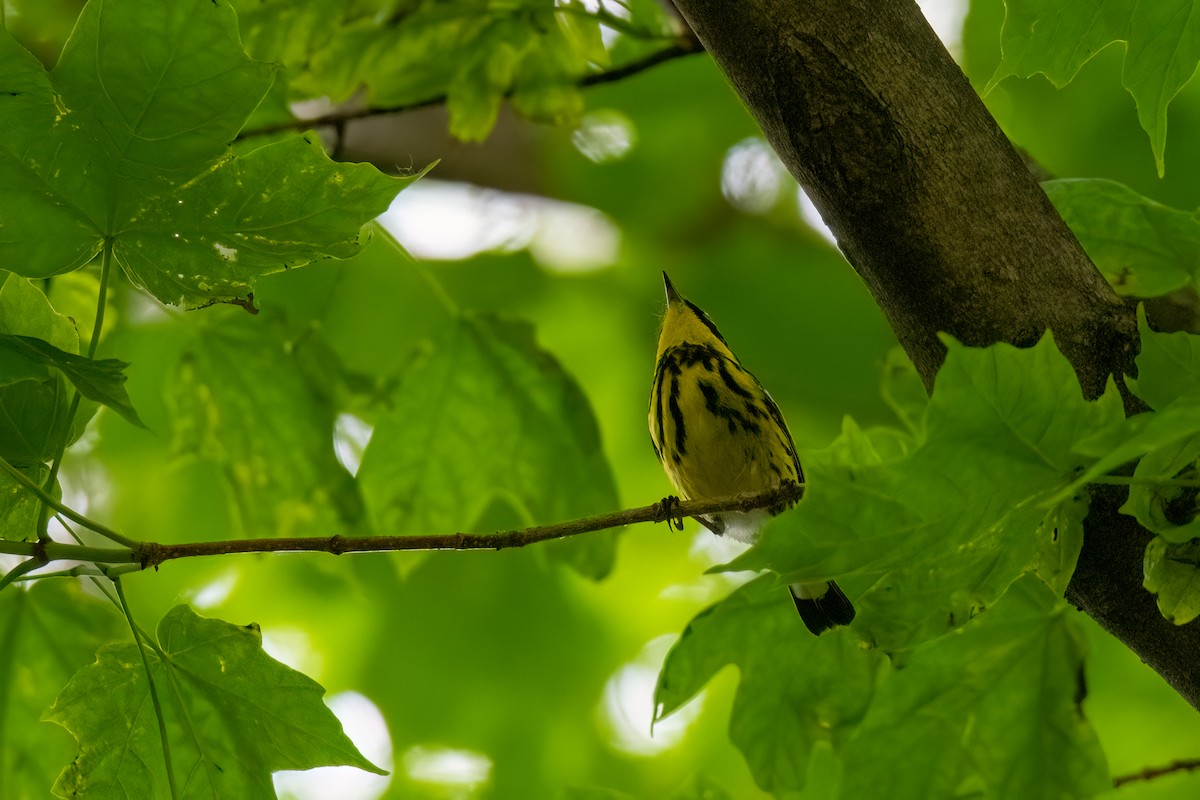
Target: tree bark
x,y
936,211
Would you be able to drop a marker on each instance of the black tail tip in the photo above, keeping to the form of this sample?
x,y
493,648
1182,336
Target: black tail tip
x,y
830,610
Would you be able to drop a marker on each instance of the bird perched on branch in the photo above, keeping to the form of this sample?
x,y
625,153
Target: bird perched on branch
x,y
717,432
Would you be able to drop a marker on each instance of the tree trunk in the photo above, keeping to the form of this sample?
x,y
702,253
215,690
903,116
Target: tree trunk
x,y
949,230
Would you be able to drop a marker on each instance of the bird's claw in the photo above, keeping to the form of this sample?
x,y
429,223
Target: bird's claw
x,y
669,511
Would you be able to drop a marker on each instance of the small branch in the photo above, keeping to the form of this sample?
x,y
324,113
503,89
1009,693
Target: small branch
x,y
151,554
1150,773
142,555
684,46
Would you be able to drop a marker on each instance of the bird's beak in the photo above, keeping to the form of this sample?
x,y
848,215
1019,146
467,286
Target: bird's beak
x,y
672,295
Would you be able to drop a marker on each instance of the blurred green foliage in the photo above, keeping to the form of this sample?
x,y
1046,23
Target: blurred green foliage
x,y
508,655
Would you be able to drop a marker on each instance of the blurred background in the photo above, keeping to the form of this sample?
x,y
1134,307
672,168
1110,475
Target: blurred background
x,y
499,675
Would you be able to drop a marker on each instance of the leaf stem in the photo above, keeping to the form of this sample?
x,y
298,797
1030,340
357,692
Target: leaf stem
x,y
102,300
158,711
83,571
48,502
52,478
26,566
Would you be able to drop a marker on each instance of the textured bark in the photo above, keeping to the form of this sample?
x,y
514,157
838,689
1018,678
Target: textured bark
x,y
938,214
930,203
1107,584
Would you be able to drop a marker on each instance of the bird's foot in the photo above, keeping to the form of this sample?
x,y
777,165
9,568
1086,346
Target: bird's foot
x,y
668,512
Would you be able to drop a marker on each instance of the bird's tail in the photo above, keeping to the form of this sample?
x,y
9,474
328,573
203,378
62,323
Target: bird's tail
x,y
822,605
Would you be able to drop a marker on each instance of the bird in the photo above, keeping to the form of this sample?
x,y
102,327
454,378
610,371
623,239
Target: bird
x,y
717,433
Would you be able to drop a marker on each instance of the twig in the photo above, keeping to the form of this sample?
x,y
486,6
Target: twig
x,y
151,554
684,46
142,555
1150,773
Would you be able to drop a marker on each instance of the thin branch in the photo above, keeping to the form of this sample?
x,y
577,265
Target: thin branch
x,y
151,554
1150,773
142,555
684,46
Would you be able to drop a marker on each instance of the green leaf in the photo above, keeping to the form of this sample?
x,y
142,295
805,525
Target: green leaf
x,y
207,239
34,396
1160,505
1135,437
1060,540
1162,48
289,31
144,91
1168,365
698,788
46,634
701,788
1172,575
944,525
796,689
101,380
128,143
534,51
594,793
903,390
545,87
582,32
42,229
1144,249
400,63
488,69
234,715
488,418
259,405
999,706
25,311
20,509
